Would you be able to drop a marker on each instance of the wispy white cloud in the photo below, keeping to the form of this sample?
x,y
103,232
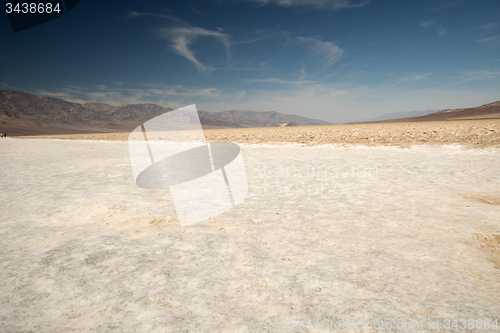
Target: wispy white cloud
x,y
159,93
474,76
255,39
426,24
446,4
280,81
310,100
442,31
182,37
289,98
328,51
55,94
489,26
302,73
432,24
330,4
495,40
330,102
169,17
412,78
485,74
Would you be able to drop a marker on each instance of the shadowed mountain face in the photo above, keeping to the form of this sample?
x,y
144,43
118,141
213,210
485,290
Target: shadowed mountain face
x,y
46,110
25,114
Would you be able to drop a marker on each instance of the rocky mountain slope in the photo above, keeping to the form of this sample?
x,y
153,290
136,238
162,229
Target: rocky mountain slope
x,y
490,110
23,113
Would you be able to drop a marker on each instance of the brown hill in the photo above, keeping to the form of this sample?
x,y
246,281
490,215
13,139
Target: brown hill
x,y
491,110
25,114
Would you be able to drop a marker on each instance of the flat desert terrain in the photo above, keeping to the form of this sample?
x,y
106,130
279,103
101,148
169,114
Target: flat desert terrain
x,y
402,227
470,133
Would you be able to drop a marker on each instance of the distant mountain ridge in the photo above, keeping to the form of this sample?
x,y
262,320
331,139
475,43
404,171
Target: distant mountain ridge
x,y
23,113
490,110
248,118
402,114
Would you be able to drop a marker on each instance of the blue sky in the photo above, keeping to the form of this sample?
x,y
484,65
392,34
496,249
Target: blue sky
x,y
337,60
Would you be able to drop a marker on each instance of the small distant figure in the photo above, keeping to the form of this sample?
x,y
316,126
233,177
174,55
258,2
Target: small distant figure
x,y
2,134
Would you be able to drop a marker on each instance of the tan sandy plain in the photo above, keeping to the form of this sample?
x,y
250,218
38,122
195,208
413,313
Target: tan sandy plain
x,y
469,133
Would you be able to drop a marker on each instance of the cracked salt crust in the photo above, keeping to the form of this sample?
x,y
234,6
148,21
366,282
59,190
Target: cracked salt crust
x,y
84,249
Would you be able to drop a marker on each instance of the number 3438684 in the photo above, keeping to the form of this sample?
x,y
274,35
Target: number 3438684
x,y
32,8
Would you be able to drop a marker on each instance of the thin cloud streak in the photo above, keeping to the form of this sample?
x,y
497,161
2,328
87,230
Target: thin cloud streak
x,y
474,76
161,94
493,39
412,78
255,39
447,4
433,25
136,14
280,81
489,26
302,73
426,24
329,4
329,51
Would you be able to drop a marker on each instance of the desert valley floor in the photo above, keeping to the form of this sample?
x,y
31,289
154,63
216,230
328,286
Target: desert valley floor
x,y
405,234
469,133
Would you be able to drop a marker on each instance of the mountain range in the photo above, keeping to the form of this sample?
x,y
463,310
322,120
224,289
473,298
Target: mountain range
x,y
25,114
490,110
404,114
